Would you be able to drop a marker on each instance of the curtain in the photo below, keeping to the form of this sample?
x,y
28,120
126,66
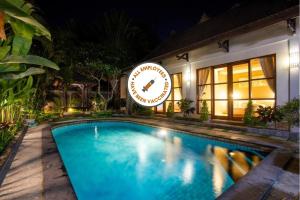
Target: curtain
x,y
203,76
268,68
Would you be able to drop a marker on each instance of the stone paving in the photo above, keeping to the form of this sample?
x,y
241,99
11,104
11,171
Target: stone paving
x,y
37,171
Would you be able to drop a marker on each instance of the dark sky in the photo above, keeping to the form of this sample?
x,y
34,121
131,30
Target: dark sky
x,y
160,16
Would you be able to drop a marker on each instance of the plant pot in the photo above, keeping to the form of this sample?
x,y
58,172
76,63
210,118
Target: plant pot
x,y
30,122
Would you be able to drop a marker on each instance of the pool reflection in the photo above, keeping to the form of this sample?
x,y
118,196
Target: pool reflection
x,y
235,163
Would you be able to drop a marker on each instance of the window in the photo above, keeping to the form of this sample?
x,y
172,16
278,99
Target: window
x,y
228,88
221,91
263,81
175,95
240,88
204,87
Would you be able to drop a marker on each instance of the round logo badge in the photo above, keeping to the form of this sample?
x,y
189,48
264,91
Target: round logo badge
x,y
149,84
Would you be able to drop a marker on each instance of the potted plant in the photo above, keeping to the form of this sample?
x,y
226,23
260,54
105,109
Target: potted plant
x,y
170,110
204,113
291,114
185,107
30,118
268,115
249,118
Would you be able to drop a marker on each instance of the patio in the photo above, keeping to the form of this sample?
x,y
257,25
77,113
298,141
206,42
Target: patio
x,y
40,173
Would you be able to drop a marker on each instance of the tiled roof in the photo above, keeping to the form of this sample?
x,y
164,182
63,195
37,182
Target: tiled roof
x,y
238,20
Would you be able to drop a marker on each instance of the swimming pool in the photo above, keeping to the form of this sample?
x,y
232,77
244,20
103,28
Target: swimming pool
x,y
122,160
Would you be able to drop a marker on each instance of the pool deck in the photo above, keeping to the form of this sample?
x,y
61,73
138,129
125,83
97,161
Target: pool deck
x,y
38,173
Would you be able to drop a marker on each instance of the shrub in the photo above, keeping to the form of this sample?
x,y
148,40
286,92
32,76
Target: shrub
x,y
7,132
107,113
269,114
204,111
249,118
185,107
142,110
291,112
170,110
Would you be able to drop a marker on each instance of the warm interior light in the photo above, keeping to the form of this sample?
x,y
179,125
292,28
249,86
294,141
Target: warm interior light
x,y
71,110
223,95
236,95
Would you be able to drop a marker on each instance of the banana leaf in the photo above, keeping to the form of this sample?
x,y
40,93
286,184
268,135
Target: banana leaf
x,y
29,59
9,68
19,9
29,72
4,51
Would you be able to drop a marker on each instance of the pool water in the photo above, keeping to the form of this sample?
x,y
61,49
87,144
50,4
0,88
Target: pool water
x,y
122,160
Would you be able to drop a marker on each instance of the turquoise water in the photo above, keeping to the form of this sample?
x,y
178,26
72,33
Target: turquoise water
x,y
120,160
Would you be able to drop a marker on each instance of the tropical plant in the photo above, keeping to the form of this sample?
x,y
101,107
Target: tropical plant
x,y
170,110
185,107
14,59
204,113
291,112
269,114
17,66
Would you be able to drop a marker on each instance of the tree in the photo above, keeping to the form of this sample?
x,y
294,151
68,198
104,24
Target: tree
x,y
100,72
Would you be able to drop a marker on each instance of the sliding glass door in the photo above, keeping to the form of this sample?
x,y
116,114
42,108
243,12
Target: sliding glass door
x,y
221,91
228,88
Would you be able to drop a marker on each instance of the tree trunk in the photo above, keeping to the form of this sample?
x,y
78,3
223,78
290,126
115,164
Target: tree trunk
x,y
105,106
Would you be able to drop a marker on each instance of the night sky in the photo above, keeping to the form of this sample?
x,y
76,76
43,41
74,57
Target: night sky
x,y
160,17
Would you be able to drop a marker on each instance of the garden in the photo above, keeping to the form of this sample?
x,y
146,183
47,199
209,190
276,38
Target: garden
x,y
46,72
49,74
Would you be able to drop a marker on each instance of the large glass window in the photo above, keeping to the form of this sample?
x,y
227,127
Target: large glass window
x,y
240,88
204,87
228,88
263,81
176,93
221,91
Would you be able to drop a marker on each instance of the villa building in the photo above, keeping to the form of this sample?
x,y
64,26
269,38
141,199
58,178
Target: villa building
x,y
250,52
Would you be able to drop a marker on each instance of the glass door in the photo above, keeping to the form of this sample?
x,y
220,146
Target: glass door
x,y
231,90
220,94
234,84
239,89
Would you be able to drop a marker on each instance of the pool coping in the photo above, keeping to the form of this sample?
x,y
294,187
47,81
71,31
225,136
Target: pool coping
x,y
234,192
247,184
255,144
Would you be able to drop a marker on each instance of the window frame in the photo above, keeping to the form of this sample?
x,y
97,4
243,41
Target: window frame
x,y
230,84
172,94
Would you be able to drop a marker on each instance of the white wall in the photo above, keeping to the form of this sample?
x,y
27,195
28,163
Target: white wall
x,y
274,39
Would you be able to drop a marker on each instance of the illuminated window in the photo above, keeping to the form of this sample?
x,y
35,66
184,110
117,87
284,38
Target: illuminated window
x,y
204,87
221,91
229,87
176,93
240,88
263,81
220,75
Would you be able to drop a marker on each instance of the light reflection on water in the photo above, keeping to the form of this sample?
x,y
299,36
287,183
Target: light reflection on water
x,y
235,163
151,161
